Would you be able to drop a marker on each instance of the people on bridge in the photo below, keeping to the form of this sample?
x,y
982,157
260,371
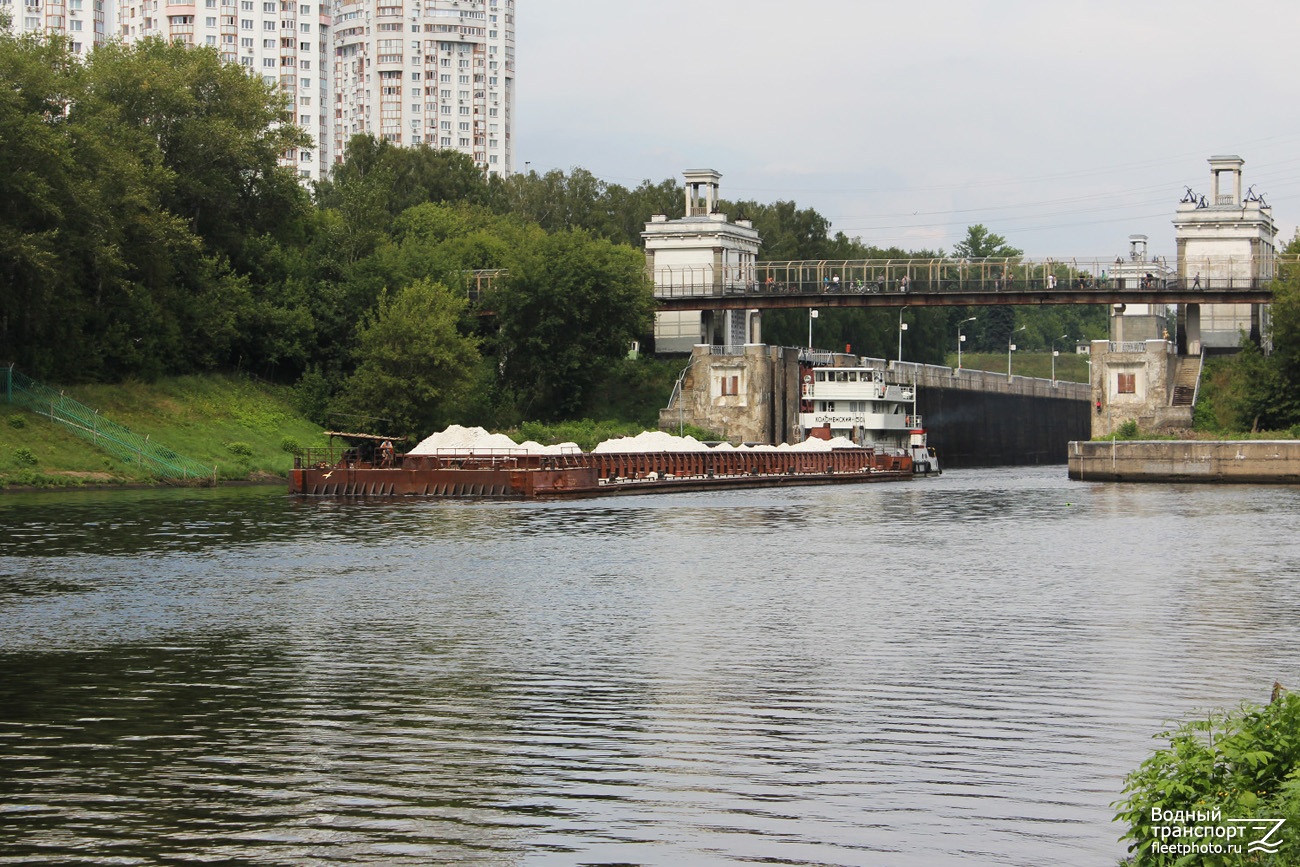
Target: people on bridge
x,y
1196,282
835,283
1051,282
904,283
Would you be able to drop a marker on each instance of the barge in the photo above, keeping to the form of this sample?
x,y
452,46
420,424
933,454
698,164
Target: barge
x,y
369,471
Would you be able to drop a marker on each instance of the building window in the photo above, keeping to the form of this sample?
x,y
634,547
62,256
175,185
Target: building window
x,y
1126,383
730,386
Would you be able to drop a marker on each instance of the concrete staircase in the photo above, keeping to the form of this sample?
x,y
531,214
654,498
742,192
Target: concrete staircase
x,y
1185,380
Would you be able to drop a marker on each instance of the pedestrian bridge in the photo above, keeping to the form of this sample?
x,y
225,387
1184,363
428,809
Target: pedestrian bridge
x,y
948,282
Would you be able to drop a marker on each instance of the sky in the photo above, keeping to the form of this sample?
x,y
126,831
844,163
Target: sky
x,y
1064,127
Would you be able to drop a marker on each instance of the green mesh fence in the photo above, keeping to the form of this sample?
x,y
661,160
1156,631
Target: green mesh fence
x,y
22,390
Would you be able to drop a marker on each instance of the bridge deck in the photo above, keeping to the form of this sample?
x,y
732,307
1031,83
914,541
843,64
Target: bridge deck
x,y
922,295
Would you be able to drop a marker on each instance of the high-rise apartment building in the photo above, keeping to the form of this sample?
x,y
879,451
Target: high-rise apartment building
x,y
427,72
85,23
411,72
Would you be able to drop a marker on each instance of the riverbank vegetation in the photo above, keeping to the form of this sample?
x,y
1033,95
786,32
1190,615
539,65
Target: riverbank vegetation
x,y
1241,767
1251,391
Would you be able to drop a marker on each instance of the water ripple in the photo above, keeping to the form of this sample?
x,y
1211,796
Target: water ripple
x,y
954,671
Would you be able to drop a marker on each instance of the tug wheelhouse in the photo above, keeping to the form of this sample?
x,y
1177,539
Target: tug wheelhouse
x,y
858,404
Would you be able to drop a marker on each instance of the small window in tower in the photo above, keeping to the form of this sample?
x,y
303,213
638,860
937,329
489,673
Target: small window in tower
x,y
1126,383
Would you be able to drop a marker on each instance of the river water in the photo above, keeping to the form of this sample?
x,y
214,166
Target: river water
x,y
947,671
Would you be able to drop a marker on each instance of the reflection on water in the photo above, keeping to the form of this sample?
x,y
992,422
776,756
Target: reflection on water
x,y
956,670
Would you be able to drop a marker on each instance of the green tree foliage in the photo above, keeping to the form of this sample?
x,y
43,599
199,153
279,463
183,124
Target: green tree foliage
x,y
403,176
980,243
39,176
579,200
789,233
131,186
1251,391
1284,407
1244,763
571,307
413,361
215,133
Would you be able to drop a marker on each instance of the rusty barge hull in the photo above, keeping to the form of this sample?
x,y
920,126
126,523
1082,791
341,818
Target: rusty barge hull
x,y
590,475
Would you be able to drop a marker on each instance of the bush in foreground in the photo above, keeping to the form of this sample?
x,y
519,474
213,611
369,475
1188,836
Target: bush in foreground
x,y
1234,773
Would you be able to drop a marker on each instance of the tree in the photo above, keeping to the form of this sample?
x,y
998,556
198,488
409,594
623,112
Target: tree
x,y
1285,333
788,232
980,243
1251,391
39,178
413,362
216,132
993,330
568,310
411,175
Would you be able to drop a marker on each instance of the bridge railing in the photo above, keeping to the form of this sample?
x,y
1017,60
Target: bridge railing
x,y
993,275
479,282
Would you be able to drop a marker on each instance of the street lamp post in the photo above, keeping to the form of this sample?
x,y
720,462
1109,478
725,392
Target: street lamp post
x,y
1054,354
812,314
1011,347
961,338
902,326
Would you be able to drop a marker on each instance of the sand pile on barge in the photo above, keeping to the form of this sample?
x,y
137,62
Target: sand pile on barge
x,y
457,440
650,441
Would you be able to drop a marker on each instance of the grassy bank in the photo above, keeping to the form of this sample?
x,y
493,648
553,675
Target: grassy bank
x,y
246,430
1069,367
